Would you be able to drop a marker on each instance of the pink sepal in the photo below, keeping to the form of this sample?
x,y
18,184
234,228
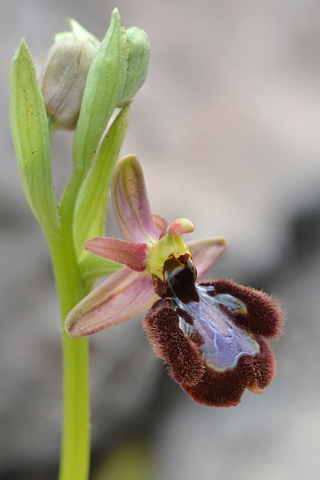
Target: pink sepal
x,y
121,296
130,202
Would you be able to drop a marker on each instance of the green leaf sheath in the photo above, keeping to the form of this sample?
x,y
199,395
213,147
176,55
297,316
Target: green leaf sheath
x,y
31,140
91,208
103,90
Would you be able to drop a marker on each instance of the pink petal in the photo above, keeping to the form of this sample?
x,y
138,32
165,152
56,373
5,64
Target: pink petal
x,y
161,223
130,254
206,252
122,296
131,203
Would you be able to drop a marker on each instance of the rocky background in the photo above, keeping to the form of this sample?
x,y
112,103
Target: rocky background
x,y
227,128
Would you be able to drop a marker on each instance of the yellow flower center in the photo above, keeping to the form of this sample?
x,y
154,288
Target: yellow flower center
x,y
170,244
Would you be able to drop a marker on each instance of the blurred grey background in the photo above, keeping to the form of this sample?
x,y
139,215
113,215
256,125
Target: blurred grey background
x,y
227,128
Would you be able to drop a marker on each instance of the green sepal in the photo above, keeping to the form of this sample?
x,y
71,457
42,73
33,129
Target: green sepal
x,y
92,201
31,138
79,33
82,34
59,37
92,267
102,93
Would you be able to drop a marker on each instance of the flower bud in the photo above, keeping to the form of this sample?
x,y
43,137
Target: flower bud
x,y
63,80
137,63
78,32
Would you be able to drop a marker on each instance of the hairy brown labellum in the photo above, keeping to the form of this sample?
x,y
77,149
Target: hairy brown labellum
x,y
213,340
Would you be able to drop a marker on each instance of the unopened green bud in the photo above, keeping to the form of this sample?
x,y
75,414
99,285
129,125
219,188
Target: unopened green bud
x,y
138,62
63,80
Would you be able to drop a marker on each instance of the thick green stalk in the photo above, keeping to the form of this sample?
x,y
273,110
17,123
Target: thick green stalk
x,y
75,448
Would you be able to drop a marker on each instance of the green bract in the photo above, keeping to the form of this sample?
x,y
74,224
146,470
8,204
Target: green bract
x,y
103,90
31,139
90,214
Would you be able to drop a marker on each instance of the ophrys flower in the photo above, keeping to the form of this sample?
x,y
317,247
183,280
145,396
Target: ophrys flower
x,y
210,333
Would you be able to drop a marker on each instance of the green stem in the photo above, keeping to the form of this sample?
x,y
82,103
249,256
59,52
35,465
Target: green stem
x,y
75,448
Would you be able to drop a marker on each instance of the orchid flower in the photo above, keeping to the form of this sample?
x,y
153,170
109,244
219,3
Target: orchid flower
x,y
210,333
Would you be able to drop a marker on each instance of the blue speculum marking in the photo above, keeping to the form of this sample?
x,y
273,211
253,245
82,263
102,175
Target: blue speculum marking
x,y
208,322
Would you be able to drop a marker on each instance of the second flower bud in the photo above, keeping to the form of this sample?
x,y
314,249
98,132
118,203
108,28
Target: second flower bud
x,y
63,80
